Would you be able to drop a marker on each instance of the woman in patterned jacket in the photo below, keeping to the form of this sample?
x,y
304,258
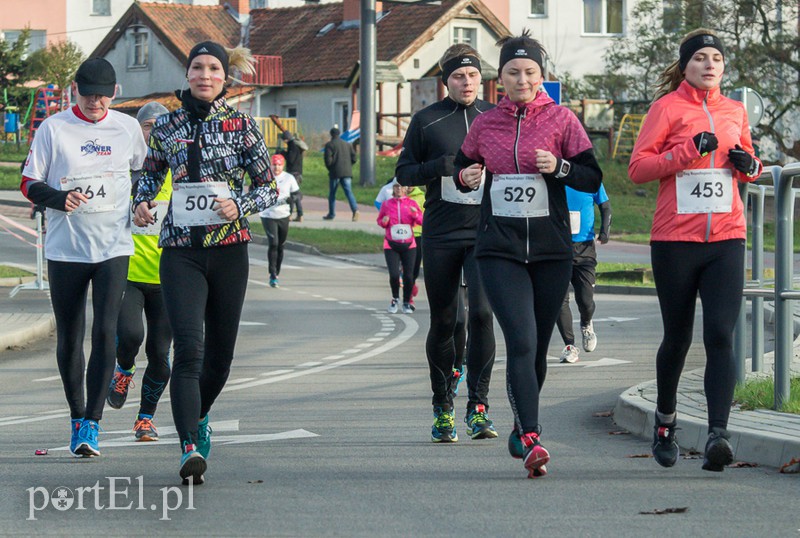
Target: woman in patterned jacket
x,y
208,146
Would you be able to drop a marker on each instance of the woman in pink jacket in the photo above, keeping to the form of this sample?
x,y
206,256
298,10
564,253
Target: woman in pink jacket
x,y
398,215
696,143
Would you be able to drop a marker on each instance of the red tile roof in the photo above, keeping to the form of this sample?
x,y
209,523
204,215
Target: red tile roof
x,y
168,99
179,27
307,57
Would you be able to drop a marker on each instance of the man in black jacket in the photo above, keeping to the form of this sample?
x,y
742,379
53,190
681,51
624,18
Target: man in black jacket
x,y
340,157
293,154
434,137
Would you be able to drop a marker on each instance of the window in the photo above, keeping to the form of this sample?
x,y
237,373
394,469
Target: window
x,y
289,110
37,39
603,17
258,4
538,8
140,48
468,36
101,7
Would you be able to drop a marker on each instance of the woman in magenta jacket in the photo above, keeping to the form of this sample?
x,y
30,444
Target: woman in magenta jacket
x,y
529,148
696,143
399,214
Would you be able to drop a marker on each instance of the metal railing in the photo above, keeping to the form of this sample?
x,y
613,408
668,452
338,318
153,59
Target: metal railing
x,y
783,291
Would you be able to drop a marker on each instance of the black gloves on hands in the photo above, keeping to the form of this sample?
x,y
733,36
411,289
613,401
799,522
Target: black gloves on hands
x,y
445,165
602,237
743,161
705,143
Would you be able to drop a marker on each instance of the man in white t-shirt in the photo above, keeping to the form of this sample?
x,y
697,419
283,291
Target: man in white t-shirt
x,y
80,167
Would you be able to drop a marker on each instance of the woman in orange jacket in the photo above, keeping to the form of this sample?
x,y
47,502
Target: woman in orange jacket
x,y
696,143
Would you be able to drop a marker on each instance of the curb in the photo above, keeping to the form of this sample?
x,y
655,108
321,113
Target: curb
x,y
34,327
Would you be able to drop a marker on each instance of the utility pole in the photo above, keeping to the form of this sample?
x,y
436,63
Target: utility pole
x,y
367,92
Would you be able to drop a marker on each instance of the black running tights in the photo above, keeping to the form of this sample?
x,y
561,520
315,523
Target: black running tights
x,y
526,299
143,297
203,288
681,270
443,270
69,287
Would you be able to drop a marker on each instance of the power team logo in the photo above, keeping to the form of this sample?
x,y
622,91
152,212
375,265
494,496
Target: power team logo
x,y
92,147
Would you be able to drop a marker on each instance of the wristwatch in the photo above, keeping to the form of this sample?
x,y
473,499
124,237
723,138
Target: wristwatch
x,y
562,168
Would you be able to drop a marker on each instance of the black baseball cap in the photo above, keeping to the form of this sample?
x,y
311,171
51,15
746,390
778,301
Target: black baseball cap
x,y
96,76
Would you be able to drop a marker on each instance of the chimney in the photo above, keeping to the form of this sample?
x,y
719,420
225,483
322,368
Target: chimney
x,y
352,10
240,7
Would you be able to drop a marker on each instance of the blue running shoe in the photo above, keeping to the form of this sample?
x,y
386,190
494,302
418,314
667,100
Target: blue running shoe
x,y
444,426
204,438
458,377
86,443
515,445
73,442
118,389
193,465
478,424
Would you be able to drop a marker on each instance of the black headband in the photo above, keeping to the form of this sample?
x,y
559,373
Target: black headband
x,y
514,49
690,46
214,49
458,62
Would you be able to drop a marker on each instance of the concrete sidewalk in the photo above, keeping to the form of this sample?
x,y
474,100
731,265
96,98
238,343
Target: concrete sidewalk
x,y
762,437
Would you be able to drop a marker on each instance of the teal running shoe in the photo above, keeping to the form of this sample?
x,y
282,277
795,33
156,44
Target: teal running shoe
x,y
193,465
73,442
86,442
204,437
458,377
478,424
444,426
515,445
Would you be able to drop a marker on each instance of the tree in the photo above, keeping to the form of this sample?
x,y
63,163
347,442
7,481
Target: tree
x,y
12,60
762,44
55,64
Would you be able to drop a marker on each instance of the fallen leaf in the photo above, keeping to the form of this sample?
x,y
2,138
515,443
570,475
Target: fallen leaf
x,y
661,511
619,432
793,467
742,464
639,456
603,414
255,481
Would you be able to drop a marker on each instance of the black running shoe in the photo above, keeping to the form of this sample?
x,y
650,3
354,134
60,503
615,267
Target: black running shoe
x,y
665,448
118,388
719,451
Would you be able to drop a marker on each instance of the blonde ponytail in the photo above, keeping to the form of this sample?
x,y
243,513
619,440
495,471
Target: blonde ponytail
x,y
241,59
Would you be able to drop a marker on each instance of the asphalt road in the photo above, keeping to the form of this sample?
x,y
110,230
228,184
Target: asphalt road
x,y
324,429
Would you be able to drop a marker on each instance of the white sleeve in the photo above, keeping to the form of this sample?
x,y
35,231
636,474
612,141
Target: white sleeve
x,y
39,158
139,150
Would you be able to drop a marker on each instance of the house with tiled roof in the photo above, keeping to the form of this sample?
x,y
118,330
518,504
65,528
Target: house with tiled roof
x,y
317,48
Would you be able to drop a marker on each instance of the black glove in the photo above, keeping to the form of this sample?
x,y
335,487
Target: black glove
x,y
742,161
445,165
603,238
705,143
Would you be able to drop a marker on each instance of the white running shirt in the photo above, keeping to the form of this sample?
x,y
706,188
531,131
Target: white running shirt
x,y
99,154
286,184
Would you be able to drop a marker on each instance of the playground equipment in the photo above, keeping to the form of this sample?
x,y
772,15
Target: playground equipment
x,y
47,101
628,132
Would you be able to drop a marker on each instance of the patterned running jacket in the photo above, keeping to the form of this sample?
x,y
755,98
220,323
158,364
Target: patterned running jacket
x,y
221,147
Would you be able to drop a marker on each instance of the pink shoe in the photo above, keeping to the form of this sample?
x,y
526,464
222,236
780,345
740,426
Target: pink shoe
x,y
535,455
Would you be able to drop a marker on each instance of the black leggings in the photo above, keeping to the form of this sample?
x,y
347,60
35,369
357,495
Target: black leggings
x,y
525,299
203,288
69,286
443,273
142,297
277,231
716,271
584,264
400,254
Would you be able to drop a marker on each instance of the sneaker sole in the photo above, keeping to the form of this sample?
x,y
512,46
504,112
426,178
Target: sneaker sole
x,y
146,438
590,347
192,470
85,451
565,361
718,457
483,434
453,439
114,405
537,459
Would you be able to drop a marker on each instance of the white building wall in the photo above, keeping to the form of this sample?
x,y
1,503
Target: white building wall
x,y
561,33
315,105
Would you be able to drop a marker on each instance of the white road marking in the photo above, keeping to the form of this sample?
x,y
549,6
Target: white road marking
x,y
51,378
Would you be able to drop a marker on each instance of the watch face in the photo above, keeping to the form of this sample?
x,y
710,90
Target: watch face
x,y
564,168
